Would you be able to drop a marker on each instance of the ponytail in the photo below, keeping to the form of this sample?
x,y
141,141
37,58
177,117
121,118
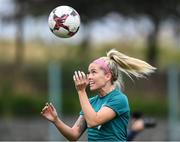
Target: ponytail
x,y
130,66
116,62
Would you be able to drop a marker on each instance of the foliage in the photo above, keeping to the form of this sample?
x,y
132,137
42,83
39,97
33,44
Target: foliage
x,y
18,105
25,93
157,9
149,107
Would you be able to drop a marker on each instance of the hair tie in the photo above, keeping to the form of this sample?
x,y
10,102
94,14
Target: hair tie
x,y
103,64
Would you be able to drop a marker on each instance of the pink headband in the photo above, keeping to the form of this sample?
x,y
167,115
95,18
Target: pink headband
x,y
103,64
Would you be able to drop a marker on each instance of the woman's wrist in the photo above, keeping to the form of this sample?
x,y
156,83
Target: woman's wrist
x,y
56,119
81,92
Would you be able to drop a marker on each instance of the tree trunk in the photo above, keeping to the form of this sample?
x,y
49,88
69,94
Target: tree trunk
x,y
19,43
152,50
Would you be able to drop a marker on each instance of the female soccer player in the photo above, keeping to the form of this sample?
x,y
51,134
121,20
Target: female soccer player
x,y
105,115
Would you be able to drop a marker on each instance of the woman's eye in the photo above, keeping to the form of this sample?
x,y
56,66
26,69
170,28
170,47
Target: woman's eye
x,y
93,72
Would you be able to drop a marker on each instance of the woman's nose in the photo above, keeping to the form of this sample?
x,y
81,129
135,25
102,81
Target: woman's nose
x,y
88,76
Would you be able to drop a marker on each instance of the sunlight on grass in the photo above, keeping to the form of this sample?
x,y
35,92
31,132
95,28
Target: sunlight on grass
x,y
41,53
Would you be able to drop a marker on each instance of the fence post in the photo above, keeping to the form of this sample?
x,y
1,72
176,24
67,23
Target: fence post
x,y
55,97
174,104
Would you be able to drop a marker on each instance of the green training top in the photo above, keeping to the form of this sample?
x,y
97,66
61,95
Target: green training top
x,y
115,129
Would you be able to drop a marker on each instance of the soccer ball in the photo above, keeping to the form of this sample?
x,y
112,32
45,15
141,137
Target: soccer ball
x,y
64,21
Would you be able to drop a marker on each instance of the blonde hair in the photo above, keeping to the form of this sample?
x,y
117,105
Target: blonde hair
x,y
119,62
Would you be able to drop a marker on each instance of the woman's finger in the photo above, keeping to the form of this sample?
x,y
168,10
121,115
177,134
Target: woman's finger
x,y
76,79
83,75
45,108
52,107
76,76
80,75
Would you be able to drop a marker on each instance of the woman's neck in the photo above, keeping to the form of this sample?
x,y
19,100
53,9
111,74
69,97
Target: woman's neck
x,y
105,90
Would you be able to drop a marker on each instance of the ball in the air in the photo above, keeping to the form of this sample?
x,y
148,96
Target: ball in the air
x,y
64,21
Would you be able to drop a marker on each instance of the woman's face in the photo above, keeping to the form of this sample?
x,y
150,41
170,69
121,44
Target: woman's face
x,y
97,77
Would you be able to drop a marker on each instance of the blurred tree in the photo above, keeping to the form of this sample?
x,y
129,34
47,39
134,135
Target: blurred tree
x,y
156,10
17,17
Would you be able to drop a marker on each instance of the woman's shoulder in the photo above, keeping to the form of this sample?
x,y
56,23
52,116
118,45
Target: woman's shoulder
x,y
119,94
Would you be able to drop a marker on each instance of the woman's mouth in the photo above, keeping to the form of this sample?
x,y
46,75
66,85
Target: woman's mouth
x,y
91,83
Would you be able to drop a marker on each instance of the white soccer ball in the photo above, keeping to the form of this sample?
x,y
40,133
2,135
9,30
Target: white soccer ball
x,y
64,21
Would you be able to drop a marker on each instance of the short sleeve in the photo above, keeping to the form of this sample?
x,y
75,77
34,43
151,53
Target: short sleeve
x,y
118,103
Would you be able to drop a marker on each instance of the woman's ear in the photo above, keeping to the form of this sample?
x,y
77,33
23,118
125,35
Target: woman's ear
x,y
109,76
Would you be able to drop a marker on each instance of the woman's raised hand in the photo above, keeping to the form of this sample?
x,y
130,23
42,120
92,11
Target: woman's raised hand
x,y
80,80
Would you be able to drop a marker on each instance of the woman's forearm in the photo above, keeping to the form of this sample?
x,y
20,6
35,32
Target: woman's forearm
x,y
65,130
89,113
